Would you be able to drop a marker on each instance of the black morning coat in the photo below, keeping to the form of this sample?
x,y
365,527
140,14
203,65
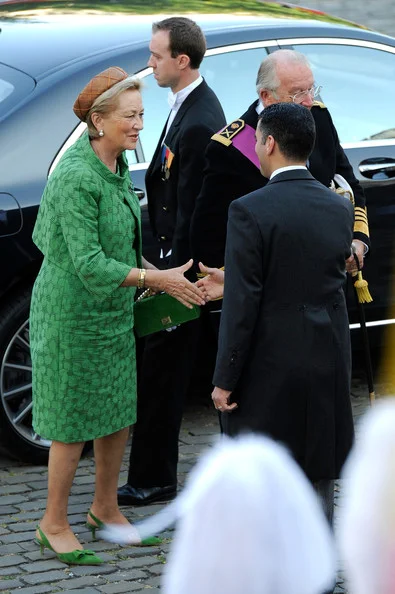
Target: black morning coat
x,y
284,343
172,191
229,175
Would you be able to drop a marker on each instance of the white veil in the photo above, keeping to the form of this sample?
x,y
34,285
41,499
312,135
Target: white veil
x,y
249,523
367,520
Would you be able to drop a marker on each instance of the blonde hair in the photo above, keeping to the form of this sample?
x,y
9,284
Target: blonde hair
x,y
106,102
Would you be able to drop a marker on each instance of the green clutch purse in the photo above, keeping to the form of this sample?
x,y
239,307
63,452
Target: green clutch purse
x,y
160,311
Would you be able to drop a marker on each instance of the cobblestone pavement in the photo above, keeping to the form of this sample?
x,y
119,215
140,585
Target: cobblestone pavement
x,y
130,569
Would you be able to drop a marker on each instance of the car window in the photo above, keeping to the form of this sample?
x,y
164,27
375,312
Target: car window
x,y
231,75
358,89
131,157
6,89
156,110
14,86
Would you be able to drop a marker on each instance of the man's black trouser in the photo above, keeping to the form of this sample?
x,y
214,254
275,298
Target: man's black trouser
x,y
325,490
165,374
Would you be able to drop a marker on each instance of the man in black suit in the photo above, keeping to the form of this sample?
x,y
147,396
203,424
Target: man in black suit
x,y
173,182
284,360
232,168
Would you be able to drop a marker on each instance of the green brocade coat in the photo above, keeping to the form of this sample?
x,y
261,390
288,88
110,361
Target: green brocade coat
x,y
81,319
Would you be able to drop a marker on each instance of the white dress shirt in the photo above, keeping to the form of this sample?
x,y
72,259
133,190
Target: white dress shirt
x,y
175,100
287,168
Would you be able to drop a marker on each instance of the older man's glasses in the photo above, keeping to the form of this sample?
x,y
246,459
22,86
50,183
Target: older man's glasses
x,y
302,95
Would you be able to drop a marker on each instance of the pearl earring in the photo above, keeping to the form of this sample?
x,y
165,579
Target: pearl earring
x,y
101,132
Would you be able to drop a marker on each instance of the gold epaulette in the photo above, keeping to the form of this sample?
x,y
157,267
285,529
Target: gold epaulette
x,y
319,104
225,136
361,220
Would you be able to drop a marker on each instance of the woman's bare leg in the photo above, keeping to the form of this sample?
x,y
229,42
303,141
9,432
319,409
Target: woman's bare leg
x,y
109,451
62,465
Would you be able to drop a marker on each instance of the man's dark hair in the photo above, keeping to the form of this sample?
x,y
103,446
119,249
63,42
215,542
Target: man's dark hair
x,y
186,37
293,128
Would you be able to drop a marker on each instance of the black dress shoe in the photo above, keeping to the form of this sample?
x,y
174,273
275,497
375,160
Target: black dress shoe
x,y
128,495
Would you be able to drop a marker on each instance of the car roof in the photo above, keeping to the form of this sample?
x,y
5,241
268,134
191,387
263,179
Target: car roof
x,y
40,48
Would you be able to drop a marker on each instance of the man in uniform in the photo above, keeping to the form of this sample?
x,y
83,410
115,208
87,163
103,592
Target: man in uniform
x,y
232,167
173,181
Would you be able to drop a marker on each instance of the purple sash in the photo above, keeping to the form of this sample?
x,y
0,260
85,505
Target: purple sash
x,y
245,142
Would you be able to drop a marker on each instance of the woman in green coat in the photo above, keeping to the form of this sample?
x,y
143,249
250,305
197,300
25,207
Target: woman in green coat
x,y
81,319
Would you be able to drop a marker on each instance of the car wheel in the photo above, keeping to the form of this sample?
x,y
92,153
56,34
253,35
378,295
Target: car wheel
x,y
16,433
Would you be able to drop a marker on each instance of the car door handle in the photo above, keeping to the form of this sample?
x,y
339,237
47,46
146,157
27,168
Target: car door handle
x,y
139,193
378,168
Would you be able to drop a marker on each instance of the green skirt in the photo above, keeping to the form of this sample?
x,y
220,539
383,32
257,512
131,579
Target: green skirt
x,y
83,358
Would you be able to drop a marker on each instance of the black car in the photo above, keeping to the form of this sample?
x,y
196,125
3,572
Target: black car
x,y
44,65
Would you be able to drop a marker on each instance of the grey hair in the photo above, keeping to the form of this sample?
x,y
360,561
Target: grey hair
x,y
267,76
106,102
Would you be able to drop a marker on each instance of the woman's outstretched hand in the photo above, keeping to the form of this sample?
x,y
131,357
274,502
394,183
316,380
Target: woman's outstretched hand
x,y
174,283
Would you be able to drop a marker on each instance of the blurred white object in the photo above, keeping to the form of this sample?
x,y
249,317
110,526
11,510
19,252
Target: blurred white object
x,y
341,186
367,520
124,534
249,522
133,534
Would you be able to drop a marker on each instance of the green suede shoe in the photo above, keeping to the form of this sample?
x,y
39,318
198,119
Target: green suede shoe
x,y
77,557
99,525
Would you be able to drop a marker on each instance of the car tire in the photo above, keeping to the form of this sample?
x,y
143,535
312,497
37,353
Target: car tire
x,y
17,437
